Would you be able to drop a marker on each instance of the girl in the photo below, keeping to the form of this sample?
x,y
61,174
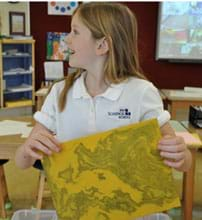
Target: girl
x,y
108,91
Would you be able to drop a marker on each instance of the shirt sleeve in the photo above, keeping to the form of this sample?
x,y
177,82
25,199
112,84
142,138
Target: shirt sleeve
x,y
152,106
47,115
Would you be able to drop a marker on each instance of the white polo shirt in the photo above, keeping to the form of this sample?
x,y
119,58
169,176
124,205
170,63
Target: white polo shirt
x,y
121,104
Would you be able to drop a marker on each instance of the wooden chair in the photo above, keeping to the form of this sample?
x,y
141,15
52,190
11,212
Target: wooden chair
x,y
42,180
3,190
43,191
41,95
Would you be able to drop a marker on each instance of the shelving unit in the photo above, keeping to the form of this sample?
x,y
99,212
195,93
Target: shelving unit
x,y
17,73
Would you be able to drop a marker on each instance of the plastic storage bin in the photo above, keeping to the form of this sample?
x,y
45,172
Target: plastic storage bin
x,y
51,215
157,216
34,214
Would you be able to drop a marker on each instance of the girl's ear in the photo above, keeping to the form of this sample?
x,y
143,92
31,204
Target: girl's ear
x,y
102,46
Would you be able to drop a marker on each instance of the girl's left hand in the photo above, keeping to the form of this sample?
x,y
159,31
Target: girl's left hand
x,y
174,151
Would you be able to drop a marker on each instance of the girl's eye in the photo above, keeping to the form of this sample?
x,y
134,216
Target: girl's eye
x,y
75,31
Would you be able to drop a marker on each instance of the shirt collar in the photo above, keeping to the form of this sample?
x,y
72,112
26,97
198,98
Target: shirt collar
x,y
79,89
113,92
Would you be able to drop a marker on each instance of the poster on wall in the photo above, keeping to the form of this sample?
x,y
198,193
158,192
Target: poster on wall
x,y
56,46
62,8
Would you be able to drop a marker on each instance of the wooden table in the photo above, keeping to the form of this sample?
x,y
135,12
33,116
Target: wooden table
x,y
179,99
188,179
8,147
10,143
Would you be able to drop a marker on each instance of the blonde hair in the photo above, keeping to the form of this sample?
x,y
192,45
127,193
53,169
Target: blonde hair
x,y
117,23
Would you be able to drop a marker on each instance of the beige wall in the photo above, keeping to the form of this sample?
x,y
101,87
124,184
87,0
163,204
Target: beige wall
x,y
5,7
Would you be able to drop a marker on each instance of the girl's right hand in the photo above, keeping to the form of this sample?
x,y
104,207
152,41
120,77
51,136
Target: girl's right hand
x,y
41,141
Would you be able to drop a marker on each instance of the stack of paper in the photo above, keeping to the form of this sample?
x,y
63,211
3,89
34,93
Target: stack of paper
x,y
190,139
9,127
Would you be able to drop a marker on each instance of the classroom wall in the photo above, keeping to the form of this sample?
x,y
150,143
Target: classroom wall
x,y
6,7
162,73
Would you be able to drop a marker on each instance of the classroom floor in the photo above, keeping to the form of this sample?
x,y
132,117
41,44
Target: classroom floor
x,y
22,188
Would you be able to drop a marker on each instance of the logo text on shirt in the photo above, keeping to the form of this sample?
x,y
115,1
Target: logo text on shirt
x,y
123,113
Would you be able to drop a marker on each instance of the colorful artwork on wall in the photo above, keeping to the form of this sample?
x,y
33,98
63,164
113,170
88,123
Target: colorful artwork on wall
x,y
56,46
62,8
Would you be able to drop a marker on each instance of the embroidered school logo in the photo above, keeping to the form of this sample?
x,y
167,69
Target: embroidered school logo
x,y
123,113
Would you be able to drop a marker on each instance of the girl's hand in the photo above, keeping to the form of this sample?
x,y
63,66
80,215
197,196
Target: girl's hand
x,y
174,151
40,142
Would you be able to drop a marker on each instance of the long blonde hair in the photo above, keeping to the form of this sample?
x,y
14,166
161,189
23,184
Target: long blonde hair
x,y
117,23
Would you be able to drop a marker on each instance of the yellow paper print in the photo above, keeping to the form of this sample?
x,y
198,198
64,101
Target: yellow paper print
x,y
113,175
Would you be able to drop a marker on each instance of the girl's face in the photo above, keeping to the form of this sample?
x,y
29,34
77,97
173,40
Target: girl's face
x,y
81,44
